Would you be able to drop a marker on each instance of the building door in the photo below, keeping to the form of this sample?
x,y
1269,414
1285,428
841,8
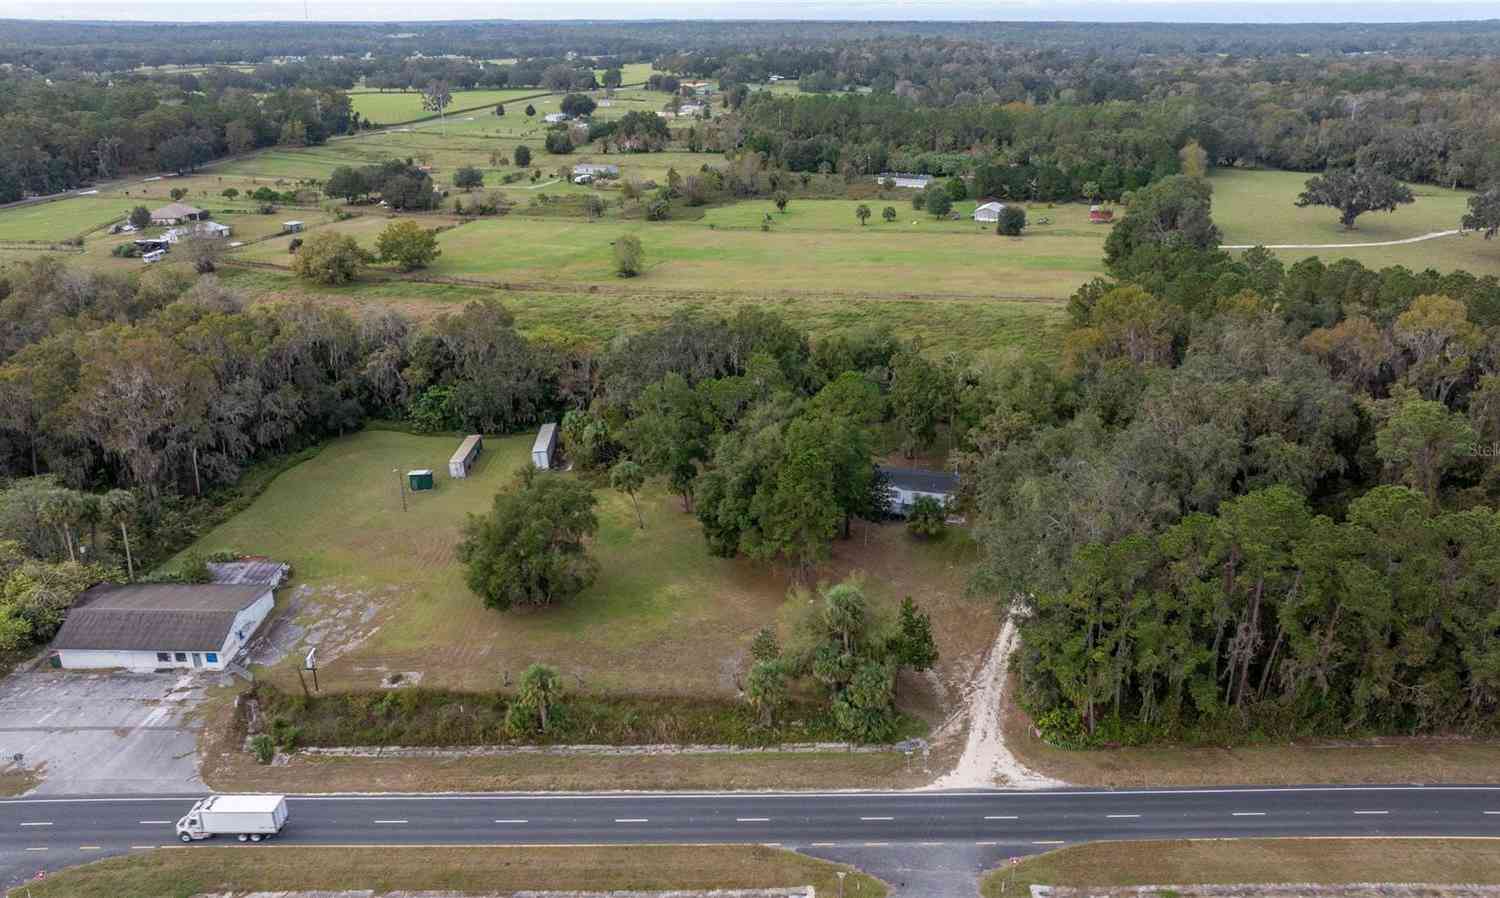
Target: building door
x,y
197,659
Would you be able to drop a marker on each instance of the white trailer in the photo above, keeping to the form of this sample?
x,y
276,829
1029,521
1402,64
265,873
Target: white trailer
x,y
248,818
542,448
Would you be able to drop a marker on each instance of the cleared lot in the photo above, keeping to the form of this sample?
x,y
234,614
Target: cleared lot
x,y
90,733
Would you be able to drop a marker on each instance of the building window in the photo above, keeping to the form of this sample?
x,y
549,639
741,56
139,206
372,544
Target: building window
x,y
211,657
182,656
163,656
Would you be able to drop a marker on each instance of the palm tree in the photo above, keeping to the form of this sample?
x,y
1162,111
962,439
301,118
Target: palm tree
x,y
541,687
91,512
59,509
119,507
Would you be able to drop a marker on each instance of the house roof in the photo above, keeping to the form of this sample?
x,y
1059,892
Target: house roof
x,y
176,210
591,167
160,617
920,480
996,207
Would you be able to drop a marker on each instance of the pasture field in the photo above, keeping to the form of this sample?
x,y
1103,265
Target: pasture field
x,y
914,260
403,106
382,585
61,219
1258,207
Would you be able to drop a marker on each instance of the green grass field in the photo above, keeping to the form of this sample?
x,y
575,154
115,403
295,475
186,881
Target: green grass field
x,y
384,585
61,219
1258,207
403,106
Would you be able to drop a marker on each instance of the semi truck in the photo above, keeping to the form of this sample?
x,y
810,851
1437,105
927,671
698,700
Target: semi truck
x,y
248,818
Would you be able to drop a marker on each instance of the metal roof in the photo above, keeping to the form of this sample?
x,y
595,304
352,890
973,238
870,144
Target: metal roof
x,y
176,210
461,454
921,480
249,570
544,437
160,617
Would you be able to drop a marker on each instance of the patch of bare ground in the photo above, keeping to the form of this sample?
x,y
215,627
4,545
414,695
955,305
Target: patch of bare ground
x,y
1273,868
1350,762
489,870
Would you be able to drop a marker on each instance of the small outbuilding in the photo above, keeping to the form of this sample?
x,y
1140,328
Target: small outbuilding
x,y
988,212
1101,215
149,626
292,227
906,485
905,179
555,118
419,480
465,456
545,445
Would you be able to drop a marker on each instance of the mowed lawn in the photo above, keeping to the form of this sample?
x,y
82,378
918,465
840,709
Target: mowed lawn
x,y
383,588
61,219
1260,207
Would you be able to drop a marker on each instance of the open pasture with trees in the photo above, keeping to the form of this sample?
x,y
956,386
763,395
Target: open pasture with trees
x,y
658,594
391,107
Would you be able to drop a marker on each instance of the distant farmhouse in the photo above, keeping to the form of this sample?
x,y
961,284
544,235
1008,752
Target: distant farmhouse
x,y
177,213
596,170
902,179
208,230
554,118
906,485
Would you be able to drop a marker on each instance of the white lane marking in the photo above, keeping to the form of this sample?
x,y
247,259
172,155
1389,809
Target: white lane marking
x,y
929,844
631,820
986,843
1248,814
1051,842
156,822
752,820
1372,812
877,819
36,849
1121,816
713,796
1003,818
511,821
89,848
36,824
390,821
876,844
140,847
824,844
1492,813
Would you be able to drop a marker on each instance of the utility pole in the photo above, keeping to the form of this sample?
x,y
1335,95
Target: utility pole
x,y
401,485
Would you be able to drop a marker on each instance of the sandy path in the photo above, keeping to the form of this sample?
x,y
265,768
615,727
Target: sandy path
x,y
986,762
1433,236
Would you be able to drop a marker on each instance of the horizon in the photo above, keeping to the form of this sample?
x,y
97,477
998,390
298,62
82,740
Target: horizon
x,y
1288,13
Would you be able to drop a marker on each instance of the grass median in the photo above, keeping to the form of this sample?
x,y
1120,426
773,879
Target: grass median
x,y
1124,865
185,872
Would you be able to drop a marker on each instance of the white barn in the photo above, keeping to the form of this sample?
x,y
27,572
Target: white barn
x,y
905,179
906,485
464,457
150,626
988,212
545,445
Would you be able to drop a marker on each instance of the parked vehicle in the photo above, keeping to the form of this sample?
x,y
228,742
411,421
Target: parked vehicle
x,y
248,818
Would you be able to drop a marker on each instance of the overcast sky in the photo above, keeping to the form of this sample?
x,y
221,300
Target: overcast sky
x,y
1030,10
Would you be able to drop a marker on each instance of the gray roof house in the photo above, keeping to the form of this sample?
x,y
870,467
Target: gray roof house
x,y
596,168
176,213
149,626
906,485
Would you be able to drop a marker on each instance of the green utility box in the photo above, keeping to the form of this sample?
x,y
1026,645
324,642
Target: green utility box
x,y
419,480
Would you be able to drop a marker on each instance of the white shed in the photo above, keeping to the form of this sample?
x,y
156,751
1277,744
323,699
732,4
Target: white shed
x,y
988,212
463,458
545,445
905,486
148,626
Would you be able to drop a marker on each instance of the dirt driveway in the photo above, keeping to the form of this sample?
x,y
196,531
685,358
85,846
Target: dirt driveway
x,y
98,733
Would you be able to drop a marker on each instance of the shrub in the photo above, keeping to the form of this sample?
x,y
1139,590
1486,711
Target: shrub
x,y
628,256
263,748
1012,221
927,518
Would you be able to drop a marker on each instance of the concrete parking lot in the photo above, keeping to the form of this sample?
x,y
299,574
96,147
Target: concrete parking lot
x,y
91,733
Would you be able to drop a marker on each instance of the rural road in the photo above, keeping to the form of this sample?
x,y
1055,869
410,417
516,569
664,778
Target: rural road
x,y
50,833
1433,236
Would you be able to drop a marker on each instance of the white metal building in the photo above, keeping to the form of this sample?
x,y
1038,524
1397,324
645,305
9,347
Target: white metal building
x,y
149,626
464,457
904,179
545,445
989,212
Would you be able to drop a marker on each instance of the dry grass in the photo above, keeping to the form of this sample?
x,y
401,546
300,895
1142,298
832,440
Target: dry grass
x,y
1385,760
185,872
1228,861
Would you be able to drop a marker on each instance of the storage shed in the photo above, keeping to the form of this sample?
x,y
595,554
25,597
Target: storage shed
x,y
542,449
419,480
906,485
464,458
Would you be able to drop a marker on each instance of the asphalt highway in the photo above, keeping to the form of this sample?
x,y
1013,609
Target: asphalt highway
x,y
48,833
